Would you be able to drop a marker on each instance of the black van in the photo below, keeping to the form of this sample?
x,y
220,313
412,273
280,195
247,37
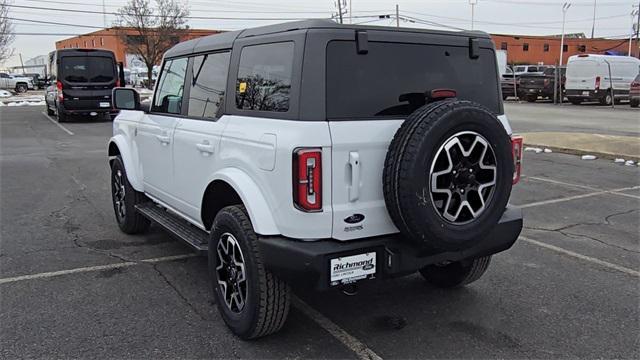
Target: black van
x,y
81,82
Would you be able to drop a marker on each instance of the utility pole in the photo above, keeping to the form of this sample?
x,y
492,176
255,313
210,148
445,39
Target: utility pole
x,y
350,12
340,10
473,8
565,7
593,26
397,15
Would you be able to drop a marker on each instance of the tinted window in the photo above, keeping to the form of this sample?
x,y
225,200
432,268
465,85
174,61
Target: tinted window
x,y
83,69
168,97
532,69
520,68
208,84
264,77
392,78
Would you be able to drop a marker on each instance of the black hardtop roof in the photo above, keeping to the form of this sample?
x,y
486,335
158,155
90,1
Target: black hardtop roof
x,y
225,40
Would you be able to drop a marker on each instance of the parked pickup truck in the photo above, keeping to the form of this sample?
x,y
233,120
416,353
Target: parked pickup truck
x,y
286,156
18,84
532,86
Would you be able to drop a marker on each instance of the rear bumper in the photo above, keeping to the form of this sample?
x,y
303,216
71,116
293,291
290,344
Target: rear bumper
x,y
307,263
544,92
595,94
72,110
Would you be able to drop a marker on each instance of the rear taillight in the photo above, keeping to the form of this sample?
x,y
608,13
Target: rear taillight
x,y
546,82
307,179
635,84
117,82
597,82
516,150
59,87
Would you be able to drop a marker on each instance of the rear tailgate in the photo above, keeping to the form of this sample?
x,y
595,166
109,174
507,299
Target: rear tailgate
x,y
87,97
357,160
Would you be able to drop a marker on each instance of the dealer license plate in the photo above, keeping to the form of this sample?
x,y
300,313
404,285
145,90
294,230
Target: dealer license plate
x,y
349,269
105,104
585,93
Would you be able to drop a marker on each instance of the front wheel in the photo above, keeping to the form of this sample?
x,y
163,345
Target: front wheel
x,y
532,98
252,301
457,273
634,103
125,198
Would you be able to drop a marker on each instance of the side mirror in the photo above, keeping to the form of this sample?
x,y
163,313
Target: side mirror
x,y
125,99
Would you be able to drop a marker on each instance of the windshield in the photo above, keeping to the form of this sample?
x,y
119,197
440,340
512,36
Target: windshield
x,y
87,69
393,79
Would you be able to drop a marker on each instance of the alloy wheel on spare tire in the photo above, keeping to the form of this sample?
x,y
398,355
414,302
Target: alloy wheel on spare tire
x,y
448,174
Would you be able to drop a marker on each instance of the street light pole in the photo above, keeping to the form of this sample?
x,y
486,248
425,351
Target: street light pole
x,y
593,26
473,8
565,7
633,15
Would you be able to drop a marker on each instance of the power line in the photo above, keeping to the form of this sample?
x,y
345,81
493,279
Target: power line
x,y
186,17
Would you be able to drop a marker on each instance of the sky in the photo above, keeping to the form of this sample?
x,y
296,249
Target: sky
x,y
523,17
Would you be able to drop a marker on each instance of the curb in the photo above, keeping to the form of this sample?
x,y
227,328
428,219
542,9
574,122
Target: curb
x,y
601,155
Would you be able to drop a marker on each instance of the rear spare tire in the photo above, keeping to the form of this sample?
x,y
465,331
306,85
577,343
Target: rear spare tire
x,y
448,174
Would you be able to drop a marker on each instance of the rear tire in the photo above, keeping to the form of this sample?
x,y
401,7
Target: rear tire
x,y
21,88
125,198
252,301
457,273
606,99
634,103
62,117
531,98
49,111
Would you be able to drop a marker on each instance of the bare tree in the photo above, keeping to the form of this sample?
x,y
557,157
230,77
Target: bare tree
x,y
6,32
148,31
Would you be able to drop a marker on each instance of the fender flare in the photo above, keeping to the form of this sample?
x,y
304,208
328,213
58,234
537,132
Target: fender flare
x,y
252,198
125,154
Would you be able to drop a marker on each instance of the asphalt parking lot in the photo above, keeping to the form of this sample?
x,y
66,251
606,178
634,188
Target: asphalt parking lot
x,y
73,286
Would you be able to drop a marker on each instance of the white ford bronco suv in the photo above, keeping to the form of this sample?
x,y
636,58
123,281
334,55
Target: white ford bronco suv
x,y
317,154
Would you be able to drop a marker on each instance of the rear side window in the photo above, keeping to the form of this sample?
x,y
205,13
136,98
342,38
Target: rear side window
x,y
87,69
168,97
209,81
264,77
392,78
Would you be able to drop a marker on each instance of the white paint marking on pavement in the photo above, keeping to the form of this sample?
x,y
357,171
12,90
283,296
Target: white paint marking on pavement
x,y
57,124
355,345
582,257
120,265
613,192
582,196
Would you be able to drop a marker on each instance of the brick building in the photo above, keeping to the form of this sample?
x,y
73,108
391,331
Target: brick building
x,y
108,39
526,49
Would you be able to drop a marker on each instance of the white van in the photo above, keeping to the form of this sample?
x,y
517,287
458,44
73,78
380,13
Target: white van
x,y
588,78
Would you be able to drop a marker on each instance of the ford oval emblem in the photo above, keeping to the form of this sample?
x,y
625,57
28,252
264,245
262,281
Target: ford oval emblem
x,y
354,219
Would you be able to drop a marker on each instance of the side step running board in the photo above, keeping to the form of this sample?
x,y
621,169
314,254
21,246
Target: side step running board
x,y
177,227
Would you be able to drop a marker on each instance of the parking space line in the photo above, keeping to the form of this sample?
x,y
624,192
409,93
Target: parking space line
x,y
582,257
582,196
613,192
94,268
355,345
57,124
352,343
